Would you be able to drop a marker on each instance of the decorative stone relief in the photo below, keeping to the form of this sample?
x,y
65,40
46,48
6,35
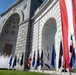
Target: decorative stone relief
x,y
24,7
13,10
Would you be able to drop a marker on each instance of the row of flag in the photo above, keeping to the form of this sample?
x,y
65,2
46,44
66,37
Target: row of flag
x,y
52,62
15,61
39,60
48,62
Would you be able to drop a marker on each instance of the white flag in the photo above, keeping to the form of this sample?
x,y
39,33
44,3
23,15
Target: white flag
x,y
47,59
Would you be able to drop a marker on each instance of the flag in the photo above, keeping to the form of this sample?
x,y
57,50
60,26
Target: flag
x,y
29,61
74,16
72,60
10,61
47,58
68,20
21,62
74,21
17,60
53,56
33,61
38,59
14,62
60,55
42,58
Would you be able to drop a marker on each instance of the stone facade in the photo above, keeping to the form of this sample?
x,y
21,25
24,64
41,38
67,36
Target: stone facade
x,y
39,26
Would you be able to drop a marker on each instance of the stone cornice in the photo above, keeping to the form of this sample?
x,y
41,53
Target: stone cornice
x,y
42,8
13,5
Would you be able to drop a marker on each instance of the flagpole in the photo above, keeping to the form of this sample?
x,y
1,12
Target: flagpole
x,y
38,45
62,58
69,72
42,60
55,63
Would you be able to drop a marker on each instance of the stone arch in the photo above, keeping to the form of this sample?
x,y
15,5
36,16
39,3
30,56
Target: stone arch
x,y
19,12
9,34
48,36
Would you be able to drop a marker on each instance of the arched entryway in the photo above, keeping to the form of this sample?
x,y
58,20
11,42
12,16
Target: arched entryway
x,y
9,34
48,38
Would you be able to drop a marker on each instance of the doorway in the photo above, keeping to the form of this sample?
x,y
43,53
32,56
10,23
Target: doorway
x,y
7,49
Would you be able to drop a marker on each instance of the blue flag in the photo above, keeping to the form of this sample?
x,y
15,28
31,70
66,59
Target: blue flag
x,y
72,60
33,62
53,56
10,61
60,55
42,58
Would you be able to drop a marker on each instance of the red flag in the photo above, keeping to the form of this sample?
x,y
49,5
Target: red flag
x,y
64,20
29,61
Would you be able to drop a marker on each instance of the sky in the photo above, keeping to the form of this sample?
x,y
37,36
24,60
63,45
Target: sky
x,y
4,4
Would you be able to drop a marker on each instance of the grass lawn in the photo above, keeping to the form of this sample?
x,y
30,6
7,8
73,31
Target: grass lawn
x,y
9,72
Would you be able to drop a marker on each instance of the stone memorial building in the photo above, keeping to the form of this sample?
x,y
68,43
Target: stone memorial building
x,y
28,26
